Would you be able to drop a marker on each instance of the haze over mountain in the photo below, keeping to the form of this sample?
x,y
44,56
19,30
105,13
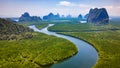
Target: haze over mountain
x,y
51,16
14,8
27,18
80,17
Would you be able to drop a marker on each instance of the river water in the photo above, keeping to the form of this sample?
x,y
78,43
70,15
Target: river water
x,y
86,57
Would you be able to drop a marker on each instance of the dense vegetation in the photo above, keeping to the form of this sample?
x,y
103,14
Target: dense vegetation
x,y
41,25
35,52
106,40
78,27
39,50
12,31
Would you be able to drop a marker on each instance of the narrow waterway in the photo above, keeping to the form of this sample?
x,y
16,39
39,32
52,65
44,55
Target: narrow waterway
x,y
86,57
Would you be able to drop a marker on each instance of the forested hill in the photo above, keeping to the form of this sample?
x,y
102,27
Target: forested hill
x,y
11,31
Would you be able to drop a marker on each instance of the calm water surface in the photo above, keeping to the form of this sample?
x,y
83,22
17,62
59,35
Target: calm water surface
x,y
86,57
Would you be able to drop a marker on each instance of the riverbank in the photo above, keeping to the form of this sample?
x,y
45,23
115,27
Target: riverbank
x,y
77,38
108,49
84,57
40,50
105,42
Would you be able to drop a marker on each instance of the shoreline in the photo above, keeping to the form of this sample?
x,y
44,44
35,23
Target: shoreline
x,y
84,41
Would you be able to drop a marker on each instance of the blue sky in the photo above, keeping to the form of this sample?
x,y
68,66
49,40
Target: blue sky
x,y
14,8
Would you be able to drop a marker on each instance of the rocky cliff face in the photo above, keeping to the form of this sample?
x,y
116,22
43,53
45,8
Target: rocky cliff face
x,y
9,30
27,18
98,16
86,16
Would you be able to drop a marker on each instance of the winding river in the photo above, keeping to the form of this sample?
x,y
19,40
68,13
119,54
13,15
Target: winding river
x,y
86,57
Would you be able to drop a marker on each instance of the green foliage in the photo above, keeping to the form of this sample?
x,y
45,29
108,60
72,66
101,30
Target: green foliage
x,y
32,53
78,27
107,44
12,31
106,41
41,25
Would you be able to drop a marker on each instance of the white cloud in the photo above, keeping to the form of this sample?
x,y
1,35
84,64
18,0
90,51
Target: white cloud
x,y
65,3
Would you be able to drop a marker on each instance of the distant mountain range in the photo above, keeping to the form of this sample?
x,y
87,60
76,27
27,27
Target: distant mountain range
x,y
27,18
51,16
96,16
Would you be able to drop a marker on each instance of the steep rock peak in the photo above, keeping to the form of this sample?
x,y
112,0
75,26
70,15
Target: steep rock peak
x,y
98,16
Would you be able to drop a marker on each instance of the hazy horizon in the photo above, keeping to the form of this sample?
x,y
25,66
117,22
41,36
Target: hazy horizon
x,y
14,8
